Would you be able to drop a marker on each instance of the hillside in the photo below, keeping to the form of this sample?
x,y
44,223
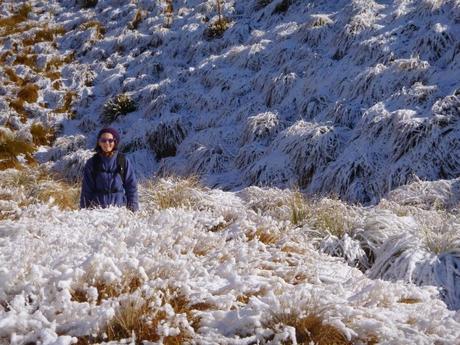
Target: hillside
x,y
353,99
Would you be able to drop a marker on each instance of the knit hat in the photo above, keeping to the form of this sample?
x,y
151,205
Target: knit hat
x,y
110,130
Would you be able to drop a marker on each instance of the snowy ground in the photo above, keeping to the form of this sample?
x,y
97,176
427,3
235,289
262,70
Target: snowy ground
x,y
358,99
353,98
223,268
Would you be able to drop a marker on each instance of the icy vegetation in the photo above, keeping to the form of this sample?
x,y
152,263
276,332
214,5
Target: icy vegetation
x,y
353,105
204,266
346,98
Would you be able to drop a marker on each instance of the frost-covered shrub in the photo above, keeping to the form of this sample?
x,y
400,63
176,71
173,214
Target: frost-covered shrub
x,y
273,169
312,106
248,154
261,128
275,90
12,147
207,160
166,137
71,165
65,145
119,105
216,29
435,43
311,147
315,31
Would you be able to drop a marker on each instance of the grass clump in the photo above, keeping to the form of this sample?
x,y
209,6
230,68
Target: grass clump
x,y
309,329
17,18
141,318
28,93
42,135
27,186
66,106
11,147
100,29
216,29
119,105
44,35
171,193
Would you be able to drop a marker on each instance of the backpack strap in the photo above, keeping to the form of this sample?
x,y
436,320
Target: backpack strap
x,y
121,166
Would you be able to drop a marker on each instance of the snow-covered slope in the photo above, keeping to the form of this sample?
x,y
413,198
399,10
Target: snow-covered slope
x,y
210,267
352,98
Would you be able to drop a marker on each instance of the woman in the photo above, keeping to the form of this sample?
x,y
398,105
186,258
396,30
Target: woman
x,y
108,177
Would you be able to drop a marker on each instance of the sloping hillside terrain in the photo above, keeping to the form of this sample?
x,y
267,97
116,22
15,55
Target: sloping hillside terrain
x,y
350,98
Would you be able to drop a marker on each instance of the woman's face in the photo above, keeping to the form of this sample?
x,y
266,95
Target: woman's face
x,y
106,142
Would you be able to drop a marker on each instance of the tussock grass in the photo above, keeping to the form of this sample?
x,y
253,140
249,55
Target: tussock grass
x,y
14,77
140,317
309,329
56,62
28,186
105,291
100,29
17,18
67,102
216,29
173,192
29,60
42,135
45,34
138,17
11,146
121,104
28,93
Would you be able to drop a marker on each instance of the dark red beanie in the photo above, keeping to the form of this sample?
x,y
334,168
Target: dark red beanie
x,y
110,130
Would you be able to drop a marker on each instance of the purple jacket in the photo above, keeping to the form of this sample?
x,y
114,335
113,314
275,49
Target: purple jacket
x,y
104,187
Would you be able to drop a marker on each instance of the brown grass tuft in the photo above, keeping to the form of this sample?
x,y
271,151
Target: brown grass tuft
x,y
100,29
19,17
44,35
67,104
11,146
107,291
28,93
141,318
14,77
409,300
310,329
42,135
172,193
29,60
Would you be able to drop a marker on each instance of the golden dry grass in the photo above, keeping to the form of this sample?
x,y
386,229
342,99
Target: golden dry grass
x,y
42,135
66,106
10,24
172,193
310,329
28,93
32,186
11,146
141,318
14,77
106,291
46,34
100,29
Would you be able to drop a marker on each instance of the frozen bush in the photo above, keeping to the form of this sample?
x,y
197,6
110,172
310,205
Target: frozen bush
x,y
119,105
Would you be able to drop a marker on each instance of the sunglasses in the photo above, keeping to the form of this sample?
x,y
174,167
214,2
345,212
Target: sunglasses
x,y
110,141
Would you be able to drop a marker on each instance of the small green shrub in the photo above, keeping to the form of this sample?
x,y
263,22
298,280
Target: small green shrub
x,y
216,29
119,105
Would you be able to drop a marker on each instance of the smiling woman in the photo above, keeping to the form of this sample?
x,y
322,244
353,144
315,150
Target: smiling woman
x,y
108,178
